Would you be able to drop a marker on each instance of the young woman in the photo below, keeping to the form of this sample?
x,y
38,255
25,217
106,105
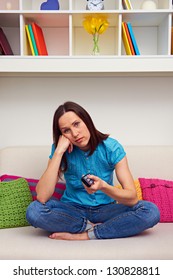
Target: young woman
x,y
100,211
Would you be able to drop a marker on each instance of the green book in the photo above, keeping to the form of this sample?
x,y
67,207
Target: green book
x,y
33,39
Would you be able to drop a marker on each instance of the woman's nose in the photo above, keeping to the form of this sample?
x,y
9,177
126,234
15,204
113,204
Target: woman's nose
x,y
75,133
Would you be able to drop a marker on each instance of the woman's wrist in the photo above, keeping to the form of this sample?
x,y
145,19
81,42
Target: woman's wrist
x,y
105,186
58,153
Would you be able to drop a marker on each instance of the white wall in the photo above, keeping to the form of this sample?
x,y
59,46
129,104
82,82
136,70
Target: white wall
x,y
135,110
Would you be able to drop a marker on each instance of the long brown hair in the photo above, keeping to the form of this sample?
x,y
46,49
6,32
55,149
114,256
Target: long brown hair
x,y
95,138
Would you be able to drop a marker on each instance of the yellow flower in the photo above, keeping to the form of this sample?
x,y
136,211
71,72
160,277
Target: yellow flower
x,y
95,24
88,26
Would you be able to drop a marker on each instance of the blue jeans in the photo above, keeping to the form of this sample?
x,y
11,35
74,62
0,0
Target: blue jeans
x,y
115,220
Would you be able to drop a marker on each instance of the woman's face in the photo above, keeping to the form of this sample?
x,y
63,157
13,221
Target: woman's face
x,y
75,130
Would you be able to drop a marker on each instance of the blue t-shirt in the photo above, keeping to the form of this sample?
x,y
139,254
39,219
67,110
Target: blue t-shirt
x,y
101,163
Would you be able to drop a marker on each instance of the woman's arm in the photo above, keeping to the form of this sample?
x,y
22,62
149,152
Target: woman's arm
x,y
127,195
46,185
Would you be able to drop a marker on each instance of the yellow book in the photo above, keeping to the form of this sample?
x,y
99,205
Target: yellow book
x,y
29,39
129,5
172,40
125,40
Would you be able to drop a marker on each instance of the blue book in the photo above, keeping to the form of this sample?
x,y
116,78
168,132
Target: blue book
x,y
133,38
33,39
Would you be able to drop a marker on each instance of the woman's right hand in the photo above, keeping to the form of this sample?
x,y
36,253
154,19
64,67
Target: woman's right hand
x,y
64,144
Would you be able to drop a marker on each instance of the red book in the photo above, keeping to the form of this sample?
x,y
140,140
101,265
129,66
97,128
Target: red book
x,y
4,44
39,39
129,39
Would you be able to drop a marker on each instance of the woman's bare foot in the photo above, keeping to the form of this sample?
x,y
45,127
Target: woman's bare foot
x,y
69,236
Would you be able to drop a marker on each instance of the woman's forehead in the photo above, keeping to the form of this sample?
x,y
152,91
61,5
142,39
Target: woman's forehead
x,y
68,119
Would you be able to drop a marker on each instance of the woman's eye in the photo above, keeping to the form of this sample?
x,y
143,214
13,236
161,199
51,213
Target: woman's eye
x,y
66,131
76,124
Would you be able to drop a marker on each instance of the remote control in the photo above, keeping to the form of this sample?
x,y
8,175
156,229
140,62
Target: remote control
x,y
87,181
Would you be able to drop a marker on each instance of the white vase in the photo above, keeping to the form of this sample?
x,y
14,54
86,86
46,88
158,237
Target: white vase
x,y
149,5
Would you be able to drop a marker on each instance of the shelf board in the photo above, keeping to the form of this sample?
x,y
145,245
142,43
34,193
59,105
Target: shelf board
x,y
106,65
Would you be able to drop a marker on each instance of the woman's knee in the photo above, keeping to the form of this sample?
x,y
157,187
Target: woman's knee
x,y
154,213
33,211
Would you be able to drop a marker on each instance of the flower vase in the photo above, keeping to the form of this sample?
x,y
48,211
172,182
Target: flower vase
x,y
96,49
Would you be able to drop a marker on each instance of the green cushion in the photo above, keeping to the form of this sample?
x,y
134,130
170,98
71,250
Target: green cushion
x,y
15,196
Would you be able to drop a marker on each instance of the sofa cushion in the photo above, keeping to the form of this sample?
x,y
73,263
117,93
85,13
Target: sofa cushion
x,y
15,197
160,192
59,188
138,189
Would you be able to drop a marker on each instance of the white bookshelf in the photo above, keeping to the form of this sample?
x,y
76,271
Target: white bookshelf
x,y
70,46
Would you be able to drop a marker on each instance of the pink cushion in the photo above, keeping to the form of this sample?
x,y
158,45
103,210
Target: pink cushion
x,y
59,188
161,193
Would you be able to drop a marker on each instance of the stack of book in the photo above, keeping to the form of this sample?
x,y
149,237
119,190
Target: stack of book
x,y
36,39
127,5
129,40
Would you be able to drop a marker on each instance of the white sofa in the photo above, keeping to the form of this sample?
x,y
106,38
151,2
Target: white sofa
x,y
30,243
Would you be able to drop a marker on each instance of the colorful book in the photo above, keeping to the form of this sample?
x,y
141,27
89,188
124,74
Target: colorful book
x,y
124,4
136,49
29,39
39,38
127,4
33,39
125,40
4,44
172,40
129,39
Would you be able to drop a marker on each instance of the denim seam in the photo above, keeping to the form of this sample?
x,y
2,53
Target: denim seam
x,y
84,226
96,233
64,215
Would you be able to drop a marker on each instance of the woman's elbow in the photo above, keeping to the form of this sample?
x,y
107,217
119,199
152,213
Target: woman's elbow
x,y
134,198
41,199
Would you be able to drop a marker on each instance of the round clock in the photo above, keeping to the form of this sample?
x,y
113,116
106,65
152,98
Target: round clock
x,y
95,5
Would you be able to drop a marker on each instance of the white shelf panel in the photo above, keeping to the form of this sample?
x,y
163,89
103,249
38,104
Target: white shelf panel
x,y
106,65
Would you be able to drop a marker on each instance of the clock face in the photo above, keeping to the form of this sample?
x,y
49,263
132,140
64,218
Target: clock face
x,y
95,5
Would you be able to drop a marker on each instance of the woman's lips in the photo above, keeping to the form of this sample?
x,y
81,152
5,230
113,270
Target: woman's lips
x,y
79,140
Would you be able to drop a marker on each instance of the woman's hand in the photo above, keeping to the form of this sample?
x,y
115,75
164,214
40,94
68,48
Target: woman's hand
x,y
64,144
126,195
98,184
